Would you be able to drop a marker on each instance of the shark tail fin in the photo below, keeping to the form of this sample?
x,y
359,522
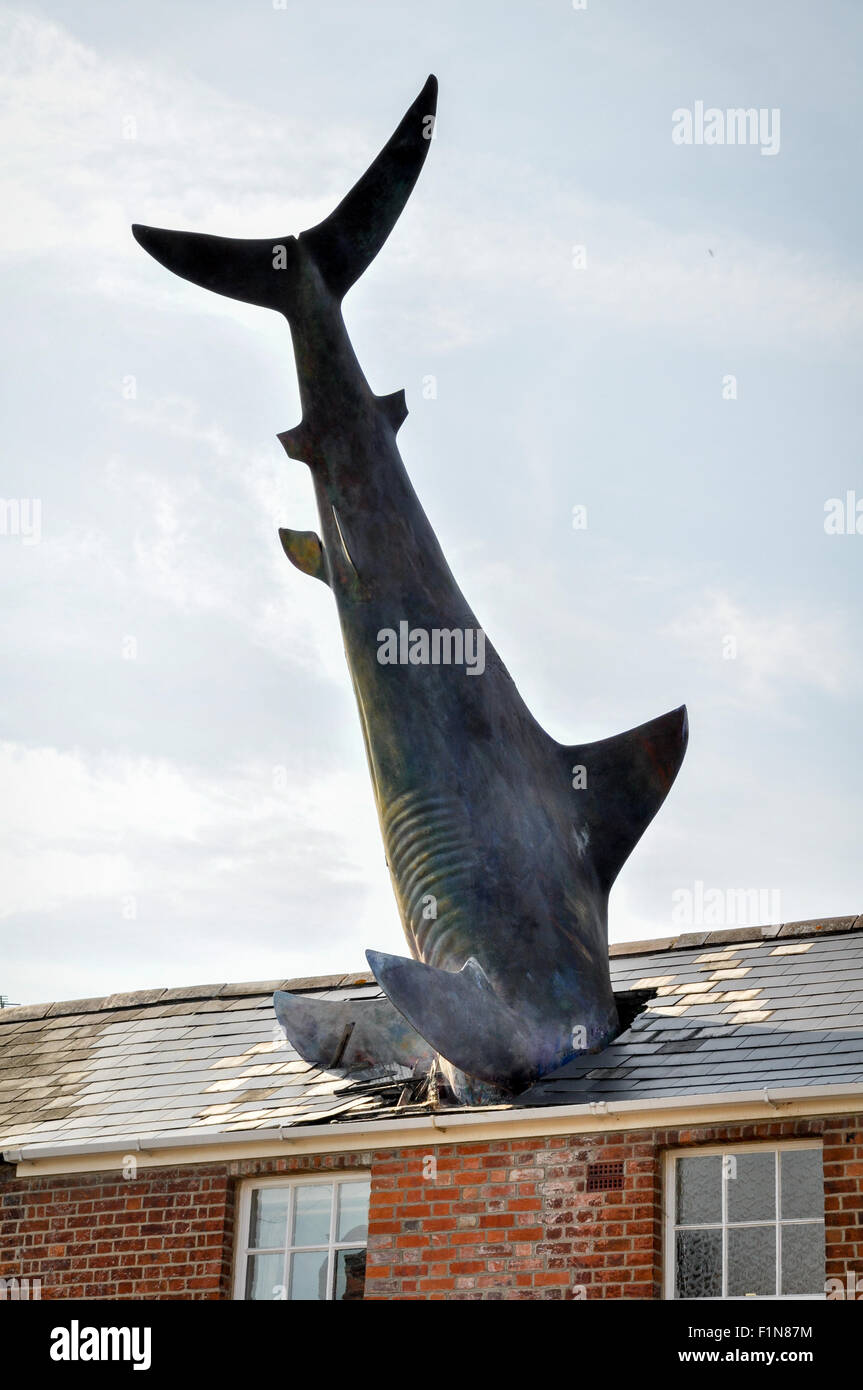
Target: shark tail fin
x,y
347,241
256,272
624,781
342,246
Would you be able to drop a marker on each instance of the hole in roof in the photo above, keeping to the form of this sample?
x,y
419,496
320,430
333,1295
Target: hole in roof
x,y
630,1003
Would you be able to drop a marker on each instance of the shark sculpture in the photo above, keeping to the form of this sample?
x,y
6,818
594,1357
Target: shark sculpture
x,y
502,844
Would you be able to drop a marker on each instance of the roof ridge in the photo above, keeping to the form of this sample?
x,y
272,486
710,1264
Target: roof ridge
x,y
815,926
183,994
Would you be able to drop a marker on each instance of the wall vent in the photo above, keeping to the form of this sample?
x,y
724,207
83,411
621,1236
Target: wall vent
x,y
604,1177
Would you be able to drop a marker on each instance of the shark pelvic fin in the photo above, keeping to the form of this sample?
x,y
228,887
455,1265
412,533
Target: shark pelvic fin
x,y
621,782
265,271
363,1038
460,1014
304,549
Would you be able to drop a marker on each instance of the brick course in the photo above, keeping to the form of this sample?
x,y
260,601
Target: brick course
x,y
506,1219
161,1234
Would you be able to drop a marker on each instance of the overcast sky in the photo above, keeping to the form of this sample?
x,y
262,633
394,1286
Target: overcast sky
x,y
184,792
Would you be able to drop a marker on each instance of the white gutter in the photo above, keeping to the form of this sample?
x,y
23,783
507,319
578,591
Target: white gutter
x,y
457,1126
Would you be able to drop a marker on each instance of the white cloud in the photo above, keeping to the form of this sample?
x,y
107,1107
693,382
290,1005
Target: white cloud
x,y
88,137
74,185
183,549
81,833
767,657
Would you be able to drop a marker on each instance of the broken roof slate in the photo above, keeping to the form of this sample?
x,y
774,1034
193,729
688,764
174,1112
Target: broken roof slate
x,y
727,1010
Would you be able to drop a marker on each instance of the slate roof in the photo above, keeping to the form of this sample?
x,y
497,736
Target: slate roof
x,y
162,1062
733,1011
726,1011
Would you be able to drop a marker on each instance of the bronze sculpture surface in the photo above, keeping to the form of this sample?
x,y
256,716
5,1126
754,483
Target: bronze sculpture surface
x,y
502,844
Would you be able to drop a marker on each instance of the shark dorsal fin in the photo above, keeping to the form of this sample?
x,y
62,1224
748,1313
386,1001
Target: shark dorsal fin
x,y
395,407
621,783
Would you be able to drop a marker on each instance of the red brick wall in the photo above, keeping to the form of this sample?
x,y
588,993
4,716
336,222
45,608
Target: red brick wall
x,y
162,1234
843,1197
513,1219
166,1233
507,1219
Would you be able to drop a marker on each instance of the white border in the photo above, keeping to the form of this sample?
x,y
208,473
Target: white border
x,y
195,1146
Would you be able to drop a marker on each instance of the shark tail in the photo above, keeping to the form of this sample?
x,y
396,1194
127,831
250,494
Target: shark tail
x,y
342,246
347,241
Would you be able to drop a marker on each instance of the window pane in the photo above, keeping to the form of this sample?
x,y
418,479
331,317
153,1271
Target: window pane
x,y
309,1275
751,1186
802,1183
803,1259
312,1211
751,1260
269,1223
699,1264
265,1275
353,1211
699,1190
350,1275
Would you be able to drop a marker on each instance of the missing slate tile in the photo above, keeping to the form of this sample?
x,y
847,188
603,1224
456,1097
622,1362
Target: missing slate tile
x,y
630,1003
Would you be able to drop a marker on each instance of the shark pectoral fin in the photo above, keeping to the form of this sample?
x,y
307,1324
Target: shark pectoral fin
x,y
304,549
620,783
353,234
363,1038
460,1014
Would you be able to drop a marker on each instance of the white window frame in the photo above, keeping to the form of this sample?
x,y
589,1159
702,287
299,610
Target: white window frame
x,y
242,1249
671,1226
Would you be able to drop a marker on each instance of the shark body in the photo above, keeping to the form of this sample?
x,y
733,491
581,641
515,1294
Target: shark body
x,y
502,844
